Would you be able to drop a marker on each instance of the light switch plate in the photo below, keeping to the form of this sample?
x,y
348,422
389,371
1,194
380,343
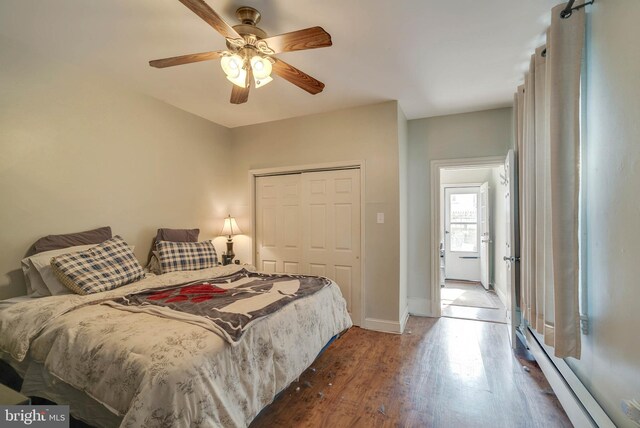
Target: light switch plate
x,y
380,218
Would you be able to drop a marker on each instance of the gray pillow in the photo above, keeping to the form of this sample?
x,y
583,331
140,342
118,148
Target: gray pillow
x,y
178,235
56,242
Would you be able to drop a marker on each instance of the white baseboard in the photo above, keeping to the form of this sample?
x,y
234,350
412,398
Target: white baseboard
x,y
404,318
387,326
581,408
384,326
419,307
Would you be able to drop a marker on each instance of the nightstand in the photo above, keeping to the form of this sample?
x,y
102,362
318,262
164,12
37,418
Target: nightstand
x,y
9,397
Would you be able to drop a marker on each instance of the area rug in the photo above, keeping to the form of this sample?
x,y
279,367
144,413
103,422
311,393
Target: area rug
x,y
466,295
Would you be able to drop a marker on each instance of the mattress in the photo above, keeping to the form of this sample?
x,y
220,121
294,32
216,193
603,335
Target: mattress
x,y
141,370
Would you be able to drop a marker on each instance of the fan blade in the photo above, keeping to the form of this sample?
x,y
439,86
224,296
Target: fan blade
x,y
200,8
241,95
309,38
185,59
300,79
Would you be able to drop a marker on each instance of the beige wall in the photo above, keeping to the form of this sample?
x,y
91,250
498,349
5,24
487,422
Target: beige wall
x,y
478,134
610,363
367,133
470,175
78,151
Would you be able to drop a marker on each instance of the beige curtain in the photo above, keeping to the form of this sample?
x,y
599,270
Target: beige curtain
x,y
519,126
528,255
540,162
545,322
548,147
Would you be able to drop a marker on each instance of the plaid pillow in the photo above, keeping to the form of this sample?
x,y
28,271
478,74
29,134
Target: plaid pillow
x,y
186,255
104,267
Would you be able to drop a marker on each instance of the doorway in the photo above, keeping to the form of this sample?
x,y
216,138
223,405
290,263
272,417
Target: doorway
x,y
472,274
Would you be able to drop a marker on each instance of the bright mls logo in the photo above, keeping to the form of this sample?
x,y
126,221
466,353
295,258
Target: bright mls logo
x,y
34,416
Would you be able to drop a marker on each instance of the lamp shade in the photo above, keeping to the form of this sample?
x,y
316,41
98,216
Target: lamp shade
x,y
261,68
230,227
261,82
233,67
232,64
240,80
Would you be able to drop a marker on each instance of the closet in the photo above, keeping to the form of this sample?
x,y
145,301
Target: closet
x,y
309,223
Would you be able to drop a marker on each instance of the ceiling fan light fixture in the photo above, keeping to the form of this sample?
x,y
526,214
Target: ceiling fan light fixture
x,y
250,52
261,67
240,79
233,67
261,82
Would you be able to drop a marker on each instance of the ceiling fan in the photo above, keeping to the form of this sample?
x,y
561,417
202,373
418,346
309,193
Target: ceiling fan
x,y
250,52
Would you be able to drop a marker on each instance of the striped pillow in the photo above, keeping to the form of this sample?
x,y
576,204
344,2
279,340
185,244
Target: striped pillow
x,y
104,267
175,256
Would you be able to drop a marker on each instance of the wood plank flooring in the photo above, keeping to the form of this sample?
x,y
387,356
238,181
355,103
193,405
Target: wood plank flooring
x,y
440,373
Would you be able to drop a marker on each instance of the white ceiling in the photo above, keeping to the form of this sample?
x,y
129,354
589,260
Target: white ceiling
x,y
434,56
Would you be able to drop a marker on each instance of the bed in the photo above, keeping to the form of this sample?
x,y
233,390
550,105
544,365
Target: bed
x,y
130,368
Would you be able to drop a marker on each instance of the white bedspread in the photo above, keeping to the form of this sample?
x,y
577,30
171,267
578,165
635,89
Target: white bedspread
x,y
158,372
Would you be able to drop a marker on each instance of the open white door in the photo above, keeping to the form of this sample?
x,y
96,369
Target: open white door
x,y
485,235
512,257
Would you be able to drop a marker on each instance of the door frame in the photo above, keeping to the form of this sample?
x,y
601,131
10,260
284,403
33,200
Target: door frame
x,y
299,169
436,167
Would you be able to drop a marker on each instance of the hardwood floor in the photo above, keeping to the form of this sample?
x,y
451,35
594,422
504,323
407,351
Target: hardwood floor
x,y
440,373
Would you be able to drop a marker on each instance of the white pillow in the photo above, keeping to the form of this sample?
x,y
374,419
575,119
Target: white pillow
x,y
39,276
35,286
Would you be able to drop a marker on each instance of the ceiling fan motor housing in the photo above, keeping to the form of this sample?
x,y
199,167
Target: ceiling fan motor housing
x,y
248,17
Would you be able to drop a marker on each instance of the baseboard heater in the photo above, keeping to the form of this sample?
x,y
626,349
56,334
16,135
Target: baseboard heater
x,y
581,408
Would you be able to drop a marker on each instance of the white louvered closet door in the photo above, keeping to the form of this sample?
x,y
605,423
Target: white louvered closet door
x,y
309,223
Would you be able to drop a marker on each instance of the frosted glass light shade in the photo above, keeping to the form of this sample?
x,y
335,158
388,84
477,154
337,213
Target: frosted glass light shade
x,y
233,67
240,80
261,67
230,227
262,82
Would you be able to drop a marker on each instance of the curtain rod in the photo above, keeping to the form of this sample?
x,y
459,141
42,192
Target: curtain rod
x,y
568,10
566,13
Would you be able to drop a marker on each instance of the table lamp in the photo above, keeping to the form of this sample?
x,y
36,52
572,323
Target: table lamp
x,y
229,229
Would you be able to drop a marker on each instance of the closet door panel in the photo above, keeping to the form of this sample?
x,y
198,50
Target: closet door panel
x,y
331,231
278,224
